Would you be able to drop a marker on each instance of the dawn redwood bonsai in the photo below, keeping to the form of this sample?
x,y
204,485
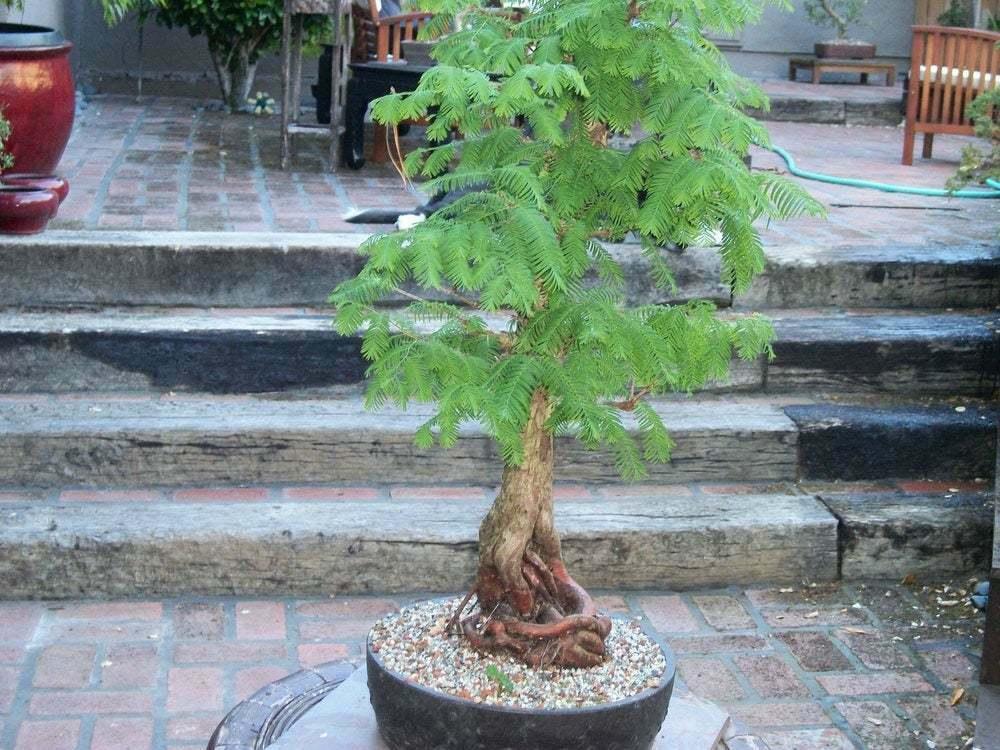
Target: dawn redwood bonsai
x,y
523,325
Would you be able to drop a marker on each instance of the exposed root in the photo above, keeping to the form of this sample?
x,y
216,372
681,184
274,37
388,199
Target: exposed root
x,y
563,627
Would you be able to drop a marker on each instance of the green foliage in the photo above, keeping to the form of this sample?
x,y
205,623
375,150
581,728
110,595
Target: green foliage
x,y
837,14
958,14
535,302
114,10
497,675
6,160
979,164
238,33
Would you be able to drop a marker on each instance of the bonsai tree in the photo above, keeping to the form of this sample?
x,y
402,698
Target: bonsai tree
x,y
838,14
536,99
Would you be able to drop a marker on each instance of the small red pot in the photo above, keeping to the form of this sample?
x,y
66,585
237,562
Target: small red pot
x,y
37,93
58,185
26,210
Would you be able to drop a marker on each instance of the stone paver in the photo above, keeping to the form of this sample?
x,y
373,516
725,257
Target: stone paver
x,y
175,164
160,675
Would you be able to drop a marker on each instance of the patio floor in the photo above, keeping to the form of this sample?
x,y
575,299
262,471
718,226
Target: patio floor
x,y
171,164
808,667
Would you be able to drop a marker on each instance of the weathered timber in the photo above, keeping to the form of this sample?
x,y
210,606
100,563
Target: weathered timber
x,y
857,442
247,440
929,354
295,350
233,269
887,535
236,269
895,276
325,548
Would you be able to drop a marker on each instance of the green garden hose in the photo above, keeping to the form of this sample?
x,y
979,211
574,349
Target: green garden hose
x,y
994,192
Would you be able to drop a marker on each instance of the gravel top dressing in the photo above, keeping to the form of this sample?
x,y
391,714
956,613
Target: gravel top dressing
x,y
413,644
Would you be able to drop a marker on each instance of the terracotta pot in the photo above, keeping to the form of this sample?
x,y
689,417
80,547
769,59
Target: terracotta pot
x,y
37,95
58,185
840,50
26,210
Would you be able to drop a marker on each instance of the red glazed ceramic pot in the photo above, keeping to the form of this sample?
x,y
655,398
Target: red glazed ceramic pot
x,y
58,185
36,94
26,210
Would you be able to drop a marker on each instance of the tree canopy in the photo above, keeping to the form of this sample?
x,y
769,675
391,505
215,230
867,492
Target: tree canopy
x,y
525,295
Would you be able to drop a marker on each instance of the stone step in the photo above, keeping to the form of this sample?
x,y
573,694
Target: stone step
x,y
105,442
267,351
882,107
623,536
891,535
203,269
850,442
48,441
164,549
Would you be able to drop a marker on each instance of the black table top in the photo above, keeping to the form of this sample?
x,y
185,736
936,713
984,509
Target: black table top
x,y
396,67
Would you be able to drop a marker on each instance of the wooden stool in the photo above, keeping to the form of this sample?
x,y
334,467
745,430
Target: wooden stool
x,y
339,12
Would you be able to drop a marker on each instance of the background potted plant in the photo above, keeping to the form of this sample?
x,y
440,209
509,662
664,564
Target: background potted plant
x,y
958,14
840,15
534,339
36,92
25,207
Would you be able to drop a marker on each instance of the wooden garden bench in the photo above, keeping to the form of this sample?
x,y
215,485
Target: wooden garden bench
x,y
950,67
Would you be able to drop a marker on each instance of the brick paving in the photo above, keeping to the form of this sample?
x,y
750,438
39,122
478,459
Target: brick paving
x,y
869,665
173,164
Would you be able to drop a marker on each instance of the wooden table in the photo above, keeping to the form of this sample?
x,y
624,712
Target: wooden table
x,y
819,66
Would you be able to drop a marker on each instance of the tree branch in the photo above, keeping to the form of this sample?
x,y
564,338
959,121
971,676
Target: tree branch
x,y
838,20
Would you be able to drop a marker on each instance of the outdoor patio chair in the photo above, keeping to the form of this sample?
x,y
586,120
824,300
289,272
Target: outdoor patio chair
x,y
380,33
950,68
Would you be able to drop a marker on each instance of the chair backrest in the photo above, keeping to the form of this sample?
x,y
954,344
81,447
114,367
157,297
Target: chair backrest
x,y
380,30
951,67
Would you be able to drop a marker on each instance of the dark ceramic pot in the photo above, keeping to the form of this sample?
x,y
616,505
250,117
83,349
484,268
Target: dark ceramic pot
x,y
844,50
58,185
26,210
413,717
36,88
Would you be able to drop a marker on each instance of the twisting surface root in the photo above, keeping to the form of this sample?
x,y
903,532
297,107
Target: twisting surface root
x,y
561,626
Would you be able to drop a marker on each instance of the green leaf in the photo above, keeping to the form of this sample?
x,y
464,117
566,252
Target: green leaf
x,y
500,677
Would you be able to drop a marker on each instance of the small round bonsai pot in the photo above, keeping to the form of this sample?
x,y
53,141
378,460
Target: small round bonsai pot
x,y
58,185
845,49
414,717
36,88
26,210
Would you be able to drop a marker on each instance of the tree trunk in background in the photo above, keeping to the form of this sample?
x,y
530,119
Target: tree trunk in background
x,y
236,74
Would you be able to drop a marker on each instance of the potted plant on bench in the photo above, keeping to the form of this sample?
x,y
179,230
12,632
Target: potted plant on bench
x,y
840,15
518,319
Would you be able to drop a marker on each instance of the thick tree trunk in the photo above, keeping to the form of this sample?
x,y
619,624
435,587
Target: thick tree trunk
x,y
236,74
527,602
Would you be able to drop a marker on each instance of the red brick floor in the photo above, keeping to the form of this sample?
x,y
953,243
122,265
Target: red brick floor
x,y
807,667
172,164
